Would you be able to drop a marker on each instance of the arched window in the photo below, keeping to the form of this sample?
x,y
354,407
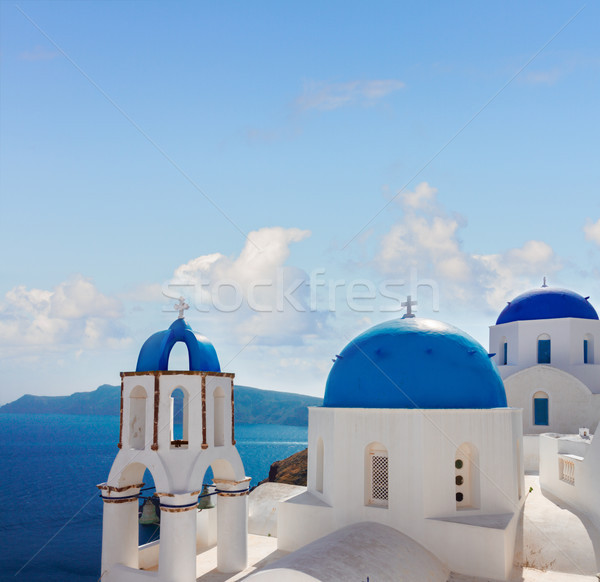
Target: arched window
x,y
376,475
179,417
179,357
320,461
219,419
503,352
588,349
466,477
541,413
137,418
544,349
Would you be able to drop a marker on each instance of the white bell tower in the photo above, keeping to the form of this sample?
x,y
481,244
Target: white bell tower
x,y
147,441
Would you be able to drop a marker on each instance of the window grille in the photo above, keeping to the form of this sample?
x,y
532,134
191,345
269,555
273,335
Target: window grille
x,y
379,480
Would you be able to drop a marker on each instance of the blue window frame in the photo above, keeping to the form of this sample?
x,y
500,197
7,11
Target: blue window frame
x,y
505,354
544,351
585,351
540,411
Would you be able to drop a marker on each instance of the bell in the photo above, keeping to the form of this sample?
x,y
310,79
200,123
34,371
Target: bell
x,y
148,513
205,499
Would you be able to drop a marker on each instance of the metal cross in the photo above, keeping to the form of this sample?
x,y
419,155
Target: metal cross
x,y
181,306
408,304
544,283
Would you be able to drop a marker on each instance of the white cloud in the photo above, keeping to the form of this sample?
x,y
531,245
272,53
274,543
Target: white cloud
x,y
592,231
79,298
516,270
74,313
264,299
327,96
428,238
549,77
38,54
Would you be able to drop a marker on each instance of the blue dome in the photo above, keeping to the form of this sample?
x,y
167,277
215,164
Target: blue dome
x,y
154,354
547,303
414,363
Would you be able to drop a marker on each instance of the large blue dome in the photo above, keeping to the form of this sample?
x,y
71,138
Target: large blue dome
x,y
414,363
547,303
154,354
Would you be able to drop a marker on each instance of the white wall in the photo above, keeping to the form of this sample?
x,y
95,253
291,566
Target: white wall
x,y
531,452
571,405
583,494
566,334
421,447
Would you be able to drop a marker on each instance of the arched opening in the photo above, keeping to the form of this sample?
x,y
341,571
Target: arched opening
x,y
320,461
503,352
205,478
466,477
179,418
129,536
376,475
179,357
541,409
544,349
137,418
219,418
149,512
588,349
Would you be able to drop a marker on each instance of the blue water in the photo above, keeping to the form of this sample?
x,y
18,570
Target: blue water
x,y
51,519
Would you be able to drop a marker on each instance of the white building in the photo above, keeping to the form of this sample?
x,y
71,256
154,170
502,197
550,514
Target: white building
x,y
178,465
547,345
570,470
415,464
414,437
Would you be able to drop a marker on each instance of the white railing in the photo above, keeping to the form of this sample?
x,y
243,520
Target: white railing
x,y
566,469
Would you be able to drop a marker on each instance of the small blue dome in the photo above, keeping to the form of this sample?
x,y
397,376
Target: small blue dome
x,y
547,303
414,363
154,354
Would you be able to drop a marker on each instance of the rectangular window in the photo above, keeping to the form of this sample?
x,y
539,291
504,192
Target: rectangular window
x,y
540,411
544,351
585,351
379,480
505,354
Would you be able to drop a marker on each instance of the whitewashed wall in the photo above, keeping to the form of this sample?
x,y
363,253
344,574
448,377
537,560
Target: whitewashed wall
x,y
571,405
581,492
566,334
421,448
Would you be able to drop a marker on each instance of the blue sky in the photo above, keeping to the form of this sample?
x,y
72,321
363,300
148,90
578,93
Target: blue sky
x,y
148,144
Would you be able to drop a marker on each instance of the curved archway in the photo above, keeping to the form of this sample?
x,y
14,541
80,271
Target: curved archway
x,y
179,357
376,475
129,466
121,533
226,465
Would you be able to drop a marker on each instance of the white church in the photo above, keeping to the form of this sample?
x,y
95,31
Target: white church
x,y
416,459
547,344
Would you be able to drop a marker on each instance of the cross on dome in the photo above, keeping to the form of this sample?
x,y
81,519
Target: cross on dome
x,y
181,306
408,304
544,284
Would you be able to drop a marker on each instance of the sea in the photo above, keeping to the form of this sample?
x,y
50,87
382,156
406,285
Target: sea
x,y
51,513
